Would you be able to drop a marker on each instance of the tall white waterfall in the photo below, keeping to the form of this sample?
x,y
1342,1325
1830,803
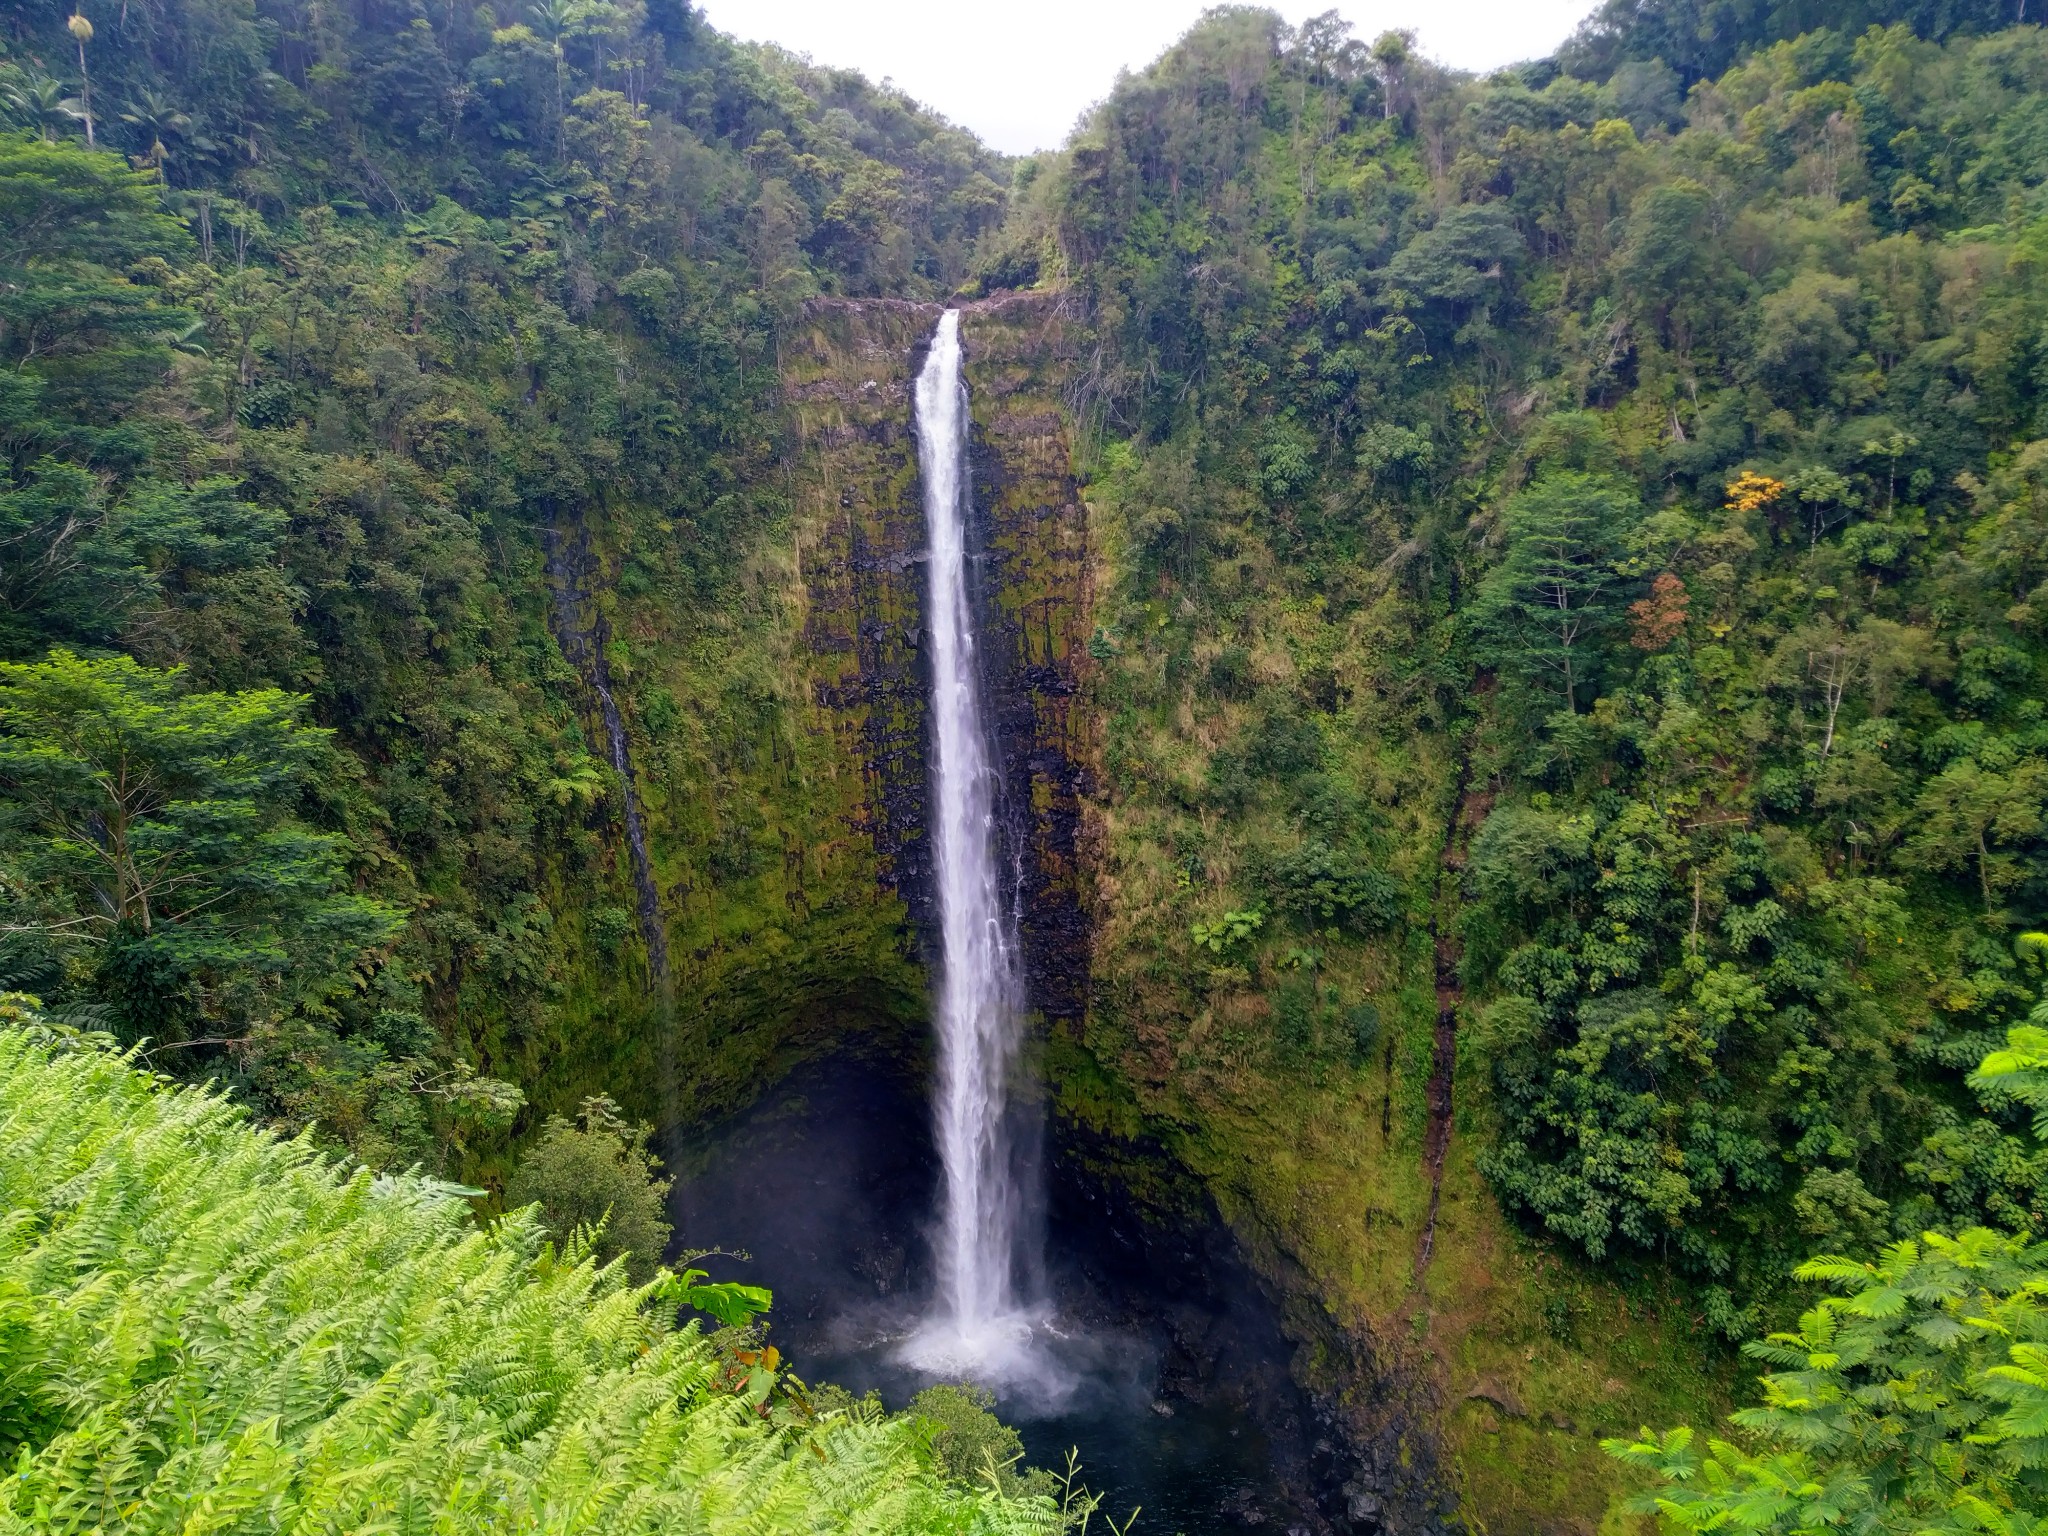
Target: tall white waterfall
x,y
977,1324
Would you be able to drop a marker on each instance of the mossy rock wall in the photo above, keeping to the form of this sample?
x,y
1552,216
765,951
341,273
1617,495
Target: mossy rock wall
x,y
781,933
849,369
775,747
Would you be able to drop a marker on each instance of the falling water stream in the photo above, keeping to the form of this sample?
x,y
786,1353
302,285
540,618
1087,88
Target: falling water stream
x,y
979,1325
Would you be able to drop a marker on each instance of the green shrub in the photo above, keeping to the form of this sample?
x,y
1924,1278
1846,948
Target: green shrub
x,y
1328,889
1364,1019
598,1178
1227,932
972,1445
1230,672
1913,1400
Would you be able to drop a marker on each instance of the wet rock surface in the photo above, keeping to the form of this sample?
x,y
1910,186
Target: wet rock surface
x,y
583,633
847,376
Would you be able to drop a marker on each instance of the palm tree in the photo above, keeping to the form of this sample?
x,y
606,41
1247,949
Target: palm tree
x,y
81,33
552,20
188,339
155,120
38,102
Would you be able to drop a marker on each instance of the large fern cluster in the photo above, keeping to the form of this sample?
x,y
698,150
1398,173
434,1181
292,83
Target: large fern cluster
x,y
206,1329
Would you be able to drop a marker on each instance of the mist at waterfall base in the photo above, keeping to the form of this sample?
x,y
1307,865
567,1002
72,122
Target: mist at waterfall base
x,y
1173,1372
909,1246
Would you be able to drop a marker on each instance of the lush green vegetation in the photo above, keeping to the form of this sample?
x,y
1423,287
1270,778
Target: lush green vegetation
x,y
1634,509
1917,1401
1912,1402
1567,664
208,1327
598,1175
385,382
1659,49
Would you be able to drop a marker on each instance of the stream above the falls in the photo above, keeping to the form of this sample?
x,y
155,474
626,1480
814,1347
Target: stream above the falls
x,y
1168,1374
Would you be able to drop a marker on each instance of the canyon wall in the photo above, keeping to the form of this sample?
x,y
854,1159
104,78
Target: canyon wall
x,y
848,370
1453,1380
760,917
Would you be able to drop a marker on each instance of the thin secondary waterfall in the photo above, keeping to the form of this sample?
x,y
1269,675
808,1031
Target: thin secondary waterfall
x,y
977,1322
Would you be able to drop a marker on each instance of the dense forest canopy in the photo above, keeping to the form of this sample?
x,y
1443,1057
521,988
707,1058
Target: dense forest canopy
x,y
310,363
1574,540
1699,41
1698,449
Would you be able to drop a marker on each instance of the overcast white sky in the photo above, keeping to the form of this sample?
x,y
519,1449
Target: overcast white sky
x,y
1019,72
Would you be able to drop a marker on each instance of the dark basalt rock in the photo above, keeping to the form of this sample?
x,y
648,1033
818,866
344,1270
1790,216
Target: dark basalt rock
x,y
849,372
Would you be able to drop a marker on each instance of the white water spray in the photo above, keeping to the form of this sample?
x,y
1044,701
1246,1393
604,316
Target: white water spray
x,y
978,1327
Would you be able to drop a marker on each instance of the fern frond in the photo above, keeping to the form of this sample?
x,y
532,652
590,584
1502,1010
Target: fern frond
x,y
227,1332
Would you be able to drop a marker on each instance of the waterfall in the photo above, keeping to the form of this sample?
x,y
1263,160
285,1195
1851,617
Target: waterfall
x,y
977,1324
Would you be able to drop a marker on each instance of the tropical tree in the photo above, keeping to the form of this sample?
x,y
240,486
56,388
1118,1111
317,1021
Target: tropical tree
x,y
2020,1071
598,1178
1972,814
1838,660
39,104
1915,1399
1542,609
150,833
156,121
1666,260
75,330
554,20
1391,52
63,203
81,34
56,571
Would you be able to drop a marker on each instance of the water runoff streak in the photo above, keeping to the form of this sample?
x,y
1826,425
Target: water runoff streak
x,y
979,1326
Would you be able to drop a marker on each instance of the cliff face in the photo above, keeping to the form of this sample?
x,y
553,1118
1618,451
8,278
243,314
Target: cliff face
x,y
848,373
1030,521
763,867
1440,1349
848,370
753,922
